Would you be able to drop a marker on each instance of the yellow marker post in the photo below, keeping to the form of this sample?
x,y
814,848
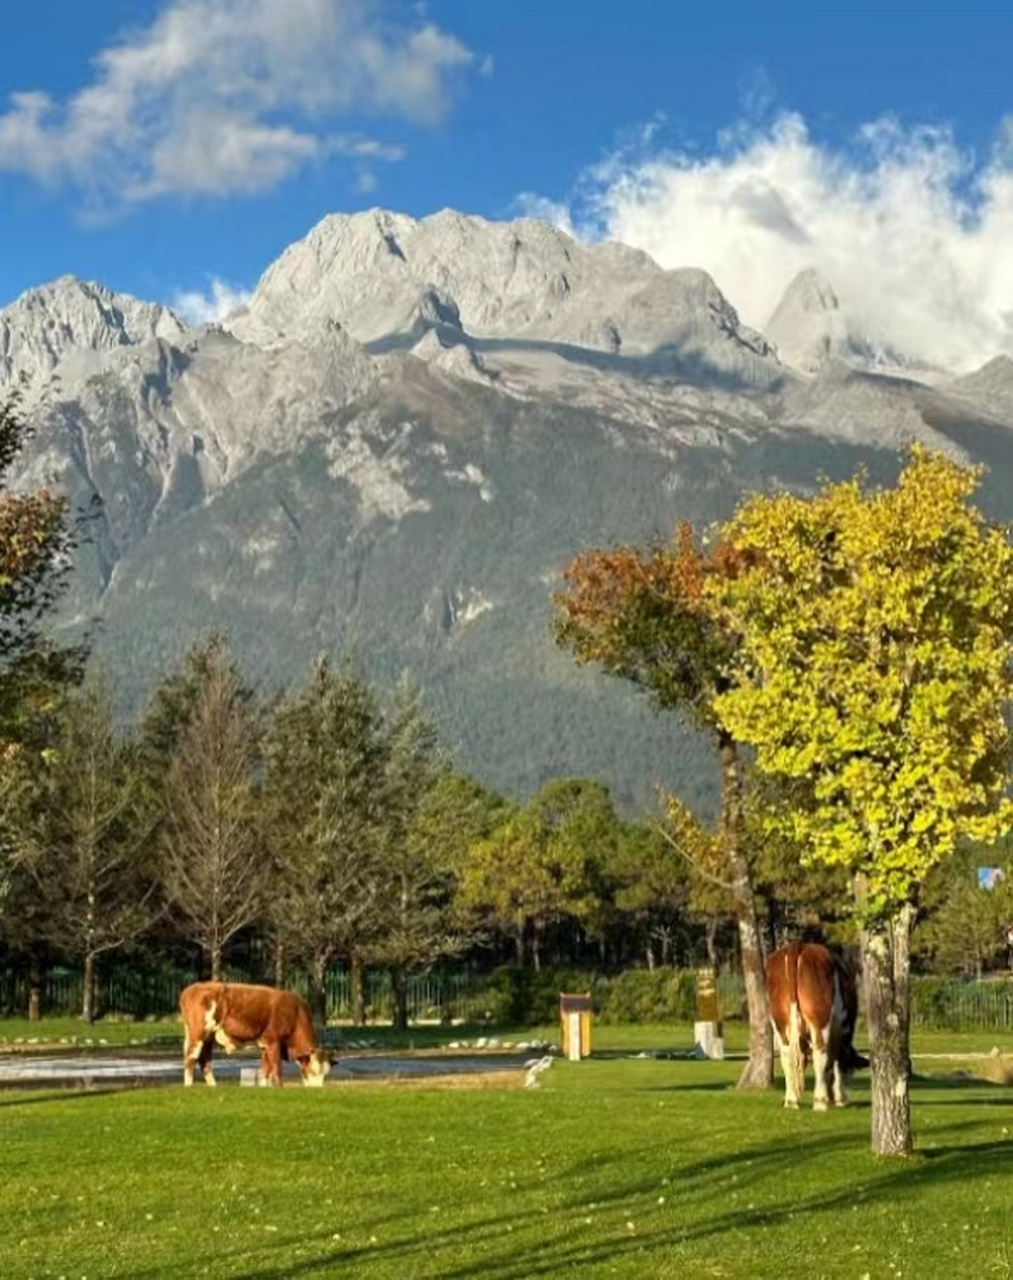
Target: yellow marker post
x,y
575,1024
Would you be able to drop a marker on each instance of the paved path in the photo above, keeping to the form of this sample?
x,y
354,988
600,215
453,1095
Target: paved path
x,y
66,1069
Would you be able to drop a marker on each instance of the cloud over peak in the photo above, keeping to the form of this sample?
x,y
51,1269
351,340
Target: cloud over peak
x,y
915,233
217,97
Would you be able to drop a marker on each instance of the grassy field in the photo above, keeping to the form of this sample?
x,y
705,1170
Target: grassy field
x,y
617,1166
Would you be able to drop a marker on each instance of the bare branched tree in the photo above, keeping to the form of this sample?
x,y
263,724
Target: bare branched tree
x,y
88,867
214,868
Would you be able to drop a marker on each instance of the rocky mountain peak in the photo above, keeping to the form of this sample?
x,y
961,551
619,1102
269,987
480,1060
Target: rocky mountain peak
x,y
812,292
389,278
811,328
70,315
807,326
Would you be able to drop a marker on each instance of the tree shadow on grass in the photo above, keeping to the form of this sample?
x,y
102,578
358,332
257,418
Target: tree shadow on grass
x,y
701,1086
492,1241
765,1184
24,1095
996,1095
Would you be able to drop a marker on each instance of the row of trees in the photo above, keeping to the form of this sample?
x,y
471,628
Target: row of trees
x,y
330,826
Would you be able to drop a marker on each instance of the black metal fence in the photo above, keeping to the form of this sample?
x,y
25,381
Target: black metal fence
x,y
941,1004
962,1006
449,994
126,992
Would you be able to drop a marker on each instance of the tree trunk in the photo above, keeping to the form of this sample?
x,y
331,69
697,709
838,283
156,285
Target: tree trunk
x,y
886,962
216,962
446,999
88,988
399,987
318,992
710,934
357,989
279,962
758,1072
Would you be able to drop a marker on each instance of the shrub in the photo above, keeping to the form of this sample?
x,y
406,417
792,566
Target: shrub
x,y
648,995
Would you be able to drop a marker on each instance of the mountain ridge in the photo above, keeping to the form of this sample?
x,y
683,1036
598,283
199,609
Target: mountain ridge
x,y
402,439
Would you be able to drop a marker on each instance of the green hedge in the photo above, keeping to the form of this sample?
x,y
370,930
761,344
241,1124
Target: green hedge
x,y
946,1005
520,995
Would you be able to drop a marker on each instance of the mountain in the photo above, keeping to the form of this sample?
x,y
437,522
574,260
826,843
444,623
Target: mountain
x,y
809,330
411,428
522,286
45,325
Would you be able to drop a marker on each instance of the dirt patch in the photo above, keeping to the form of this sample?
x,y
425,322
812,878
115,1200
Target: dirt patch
x,y
997,1068
513,1079
125,1069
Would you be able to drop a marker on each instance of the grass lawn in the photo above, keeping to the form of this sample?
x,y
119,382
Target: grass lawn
x,y
617,1166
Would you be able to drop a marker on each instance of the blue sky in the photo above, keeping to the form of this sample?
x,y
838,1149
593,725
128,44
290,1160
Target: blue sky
x,y
161,146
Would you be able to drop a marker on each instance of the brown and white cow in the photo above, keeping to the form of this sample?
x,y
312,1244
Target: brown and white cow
x,y
813,1006
237,1013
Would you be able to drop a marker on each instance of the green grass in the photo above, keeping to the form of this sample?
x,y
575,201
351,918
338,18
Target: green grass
x,y
613,1167
66,1032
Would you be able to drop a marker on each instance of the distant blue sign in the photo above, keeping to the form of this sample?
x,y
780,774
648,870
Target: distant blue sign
x,y
989,877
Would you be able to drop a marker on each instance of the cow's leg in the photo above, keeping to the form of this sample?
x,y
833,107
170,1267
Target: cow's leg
x,y
821,1067
270,1064
839,1082
792,1059
837,1075
840,1022
206,1050
191,1052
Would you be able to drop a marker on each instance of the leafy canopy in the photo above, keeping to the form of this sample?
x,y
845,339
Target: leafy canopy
x,y
642,613
876,638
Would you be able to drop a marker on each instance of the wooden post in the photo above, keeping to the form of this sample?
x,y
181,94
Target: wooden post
x,y
575,1024
707,1038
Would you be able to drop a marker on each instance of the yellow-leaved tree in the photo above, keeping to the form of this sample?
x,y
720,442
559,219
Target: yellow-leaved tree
x,y
874,665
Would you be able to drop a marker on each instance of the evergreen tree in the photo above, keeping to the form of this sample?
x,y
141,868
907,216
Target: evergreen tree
x,y
326,757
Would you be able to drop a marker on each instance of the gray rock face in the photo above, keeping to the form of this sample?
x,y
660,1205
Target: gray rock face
x,y
45,324
810,330
525,283
990,387
412,428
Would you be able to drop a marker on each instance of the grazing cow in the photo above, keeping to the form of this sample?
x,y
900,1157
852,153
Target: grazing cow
x,y
236,1013
813,1006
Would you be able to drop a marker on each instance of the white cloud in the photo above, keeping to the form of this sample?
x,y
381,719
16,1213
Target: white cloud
x,y
215,304
915,235
223,96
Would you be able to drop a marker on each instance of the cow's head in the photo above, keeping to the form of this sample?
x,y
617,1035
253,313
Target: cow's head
x,y
314,1068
